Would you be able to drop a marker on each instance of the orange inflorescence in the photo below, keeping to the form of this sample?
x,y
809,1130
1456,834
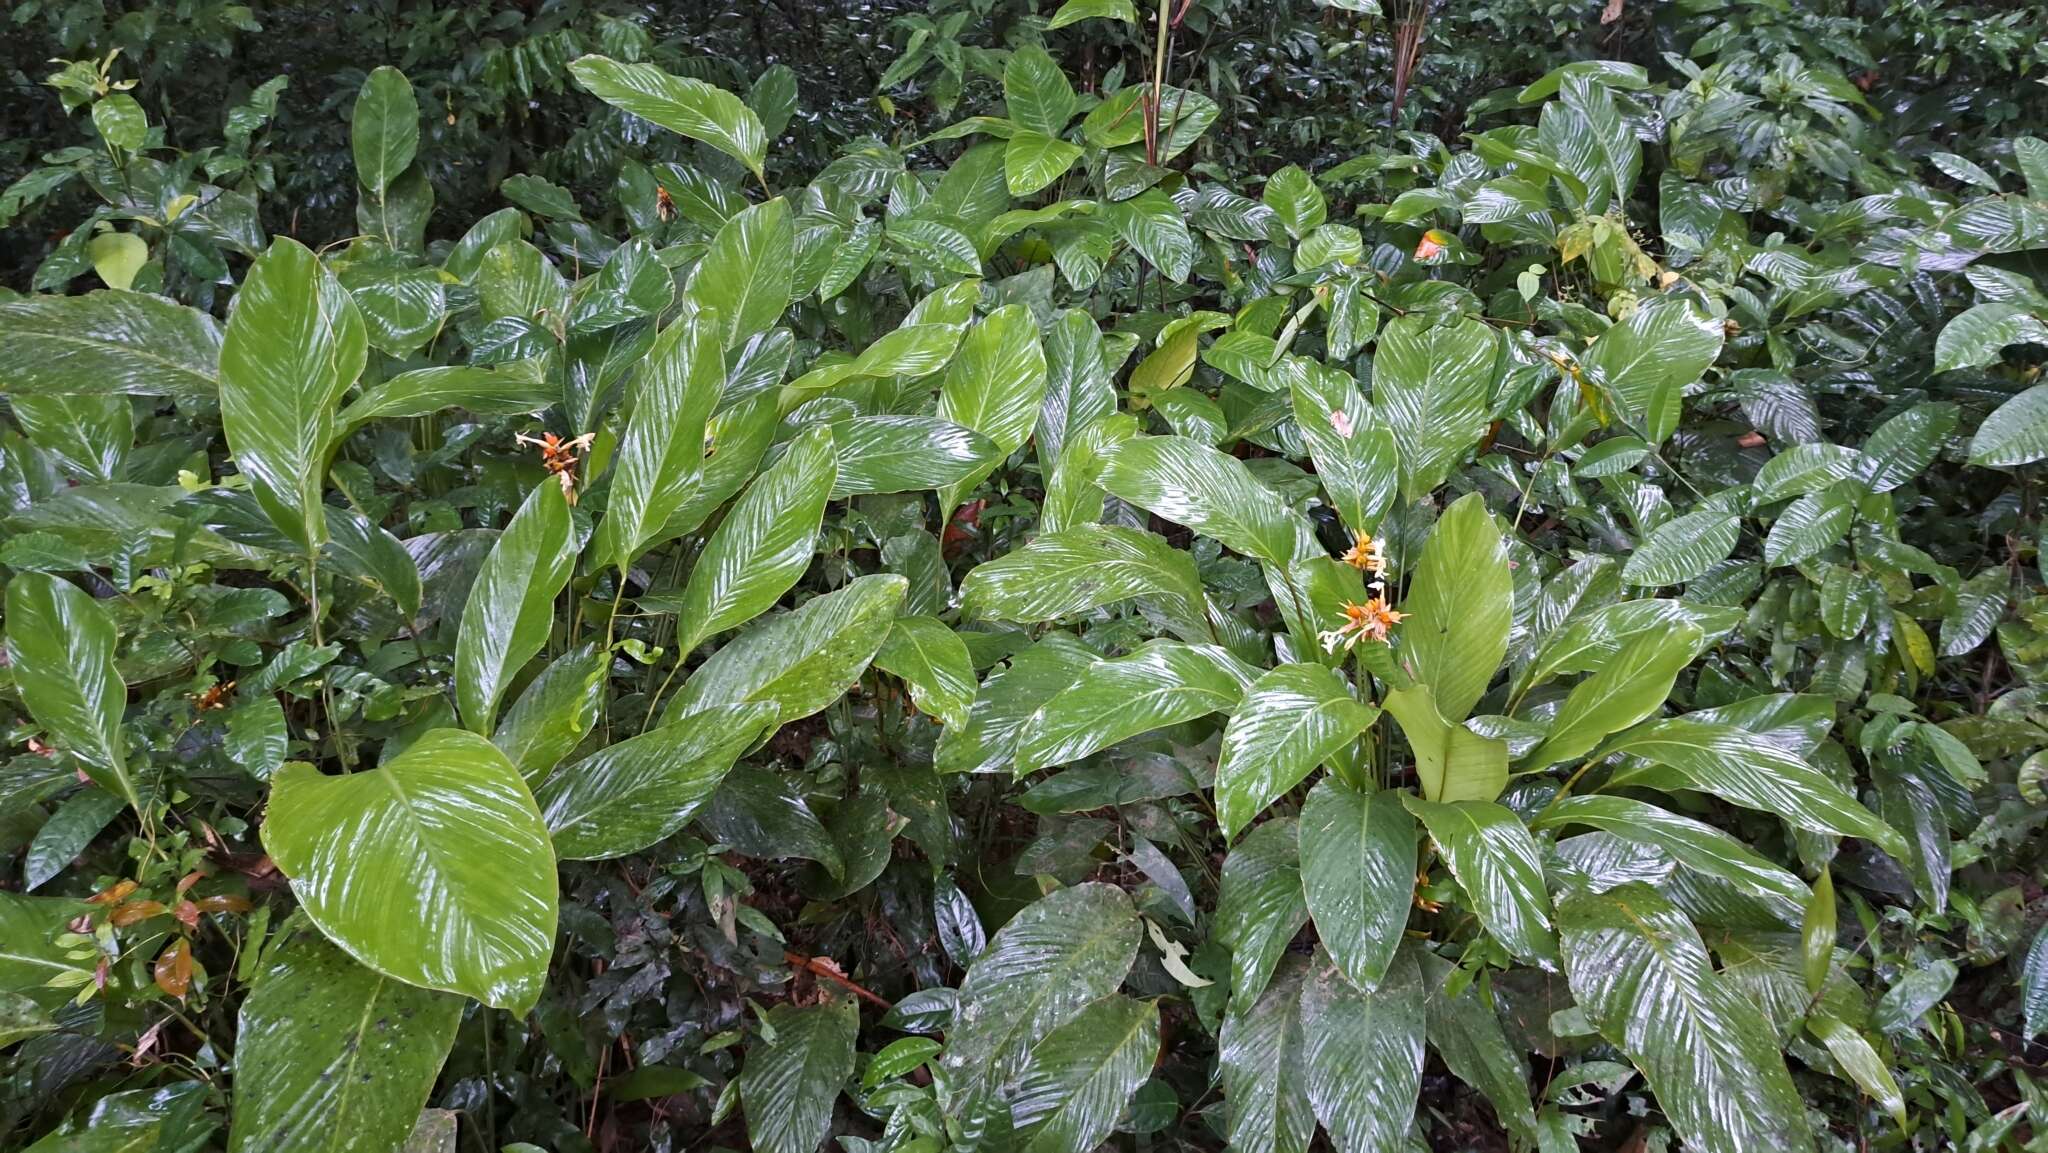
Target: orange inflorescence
x,y
559,457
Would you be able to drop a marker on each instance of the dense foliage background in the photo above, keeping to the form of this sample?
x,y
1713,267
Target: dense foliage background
x,y
999,574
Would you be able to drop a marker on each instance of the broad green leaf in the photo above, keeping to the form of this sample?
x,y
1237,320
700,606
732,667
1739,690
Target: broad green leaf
x,y
1080,569
942,247
554,713
1006,700
79,820
1916,991
1979,335
1979,605
1808,527
1497,863
1695,845
1074,11
745,274
1208,491
1259,1053
1807,468
60,652
1259,907
433,868
1358,857
627,796
790,1081
331,1056
1466,1032
1032,161
1460,605
763,545
104,342
1631,685
693,108
760,813
1742,768
1078,390
1683,548
850,259
1650,358
384,129
661,452
1162,683
1638,970
1076,1082
1038,95
1151,223
933,661
799,661
1432,384
1296,200
120,121
2015,434
402,308
503,390
1590,639
1362,1051
1902,447
995,386
1453,762
294,345
32,963
511,607
1859,1060
1040,971
881,454
1353,448
1292,719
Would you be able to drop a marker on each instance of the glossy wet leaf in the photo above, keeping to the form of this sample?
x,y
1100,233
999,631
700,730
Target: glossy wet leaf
x,y
2016,433
1431,385
1260,906
1649,358
1082,568
1460,604
1292,719
384,129
1694,844
661,452
554,713
1362,1052
1682,548
60,648
631,794
1629,687
884,454
932,660
511,607
1260,1056
126,342
1453,762
1210,492
1078,1079
799,661
1358,857
995,386
763,545
1163,683
745,275
1497,863
788,1085
680,104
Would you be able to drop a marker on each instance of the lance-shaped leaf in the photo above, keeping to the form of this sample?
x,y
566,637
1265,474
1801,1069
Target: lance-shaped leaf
x,y
1259,1053
799,661
1648,360
433,868
1162,683
1078,1080
32,963
1684,547
2015,433
745,274
384,129
1151,223
1466,1032
995,386
511,607
1292,719
1977,336
1453,762
1080,569
661,452
1211,492
1061,952
1431,384
2034,986
500,391
1007,699
1353,448
1590,639
1496,862
1638,969
879,454
1363,1052
60,648
1695,845
102,342
933,661
1037,93
693,108
763,545
627,796
1078,391
1259,906
294,345
554,712
332,1056
1630,686
1737,765
1460,606
790,1081
1358,855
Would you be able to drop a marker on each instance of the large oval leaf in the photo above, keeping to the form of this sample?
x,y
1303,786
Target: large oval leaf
x,y
627,796
1292,719
881,454
1497,863
693,108
1630,686
125,342
800,661
1082,568
1358,855
763,545
511,607
1693,844
2016,433
384,129
745,274
1078,1080
60,648
1163,683
1259,905
790,1082
1431,384
1649,358
1192,484
433,868
661,452
1259,1053
1362,1053
1460,606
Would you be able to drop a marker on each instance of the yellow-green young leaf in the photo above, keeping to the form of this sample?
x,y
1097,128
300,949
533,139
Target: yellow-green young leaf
x,y
433,868
1861,1063
1208,491
1496,862
1039,97
1460,605
1259,905
629,795
1358,855
384,129
1638,969
554,712
60,649
693,108
1362,1050
790,1081
2016,433
104,342
1031,161
1078,1080
933,661
1354,450
117,257
1259,1053
1162,683
1695,845
1648,359
660,459
1296,200
746,273
331,1056
881,454
799,661
1630,686
1683,548
1453,762
511,607
1431,384
763,545
1074,11
995,386
294,345
1080,569
1817,933
1292,719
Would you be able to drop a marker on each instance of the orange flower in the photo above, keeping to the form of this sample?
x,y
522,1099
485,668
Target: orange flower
x,y
1371,620
1368,554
